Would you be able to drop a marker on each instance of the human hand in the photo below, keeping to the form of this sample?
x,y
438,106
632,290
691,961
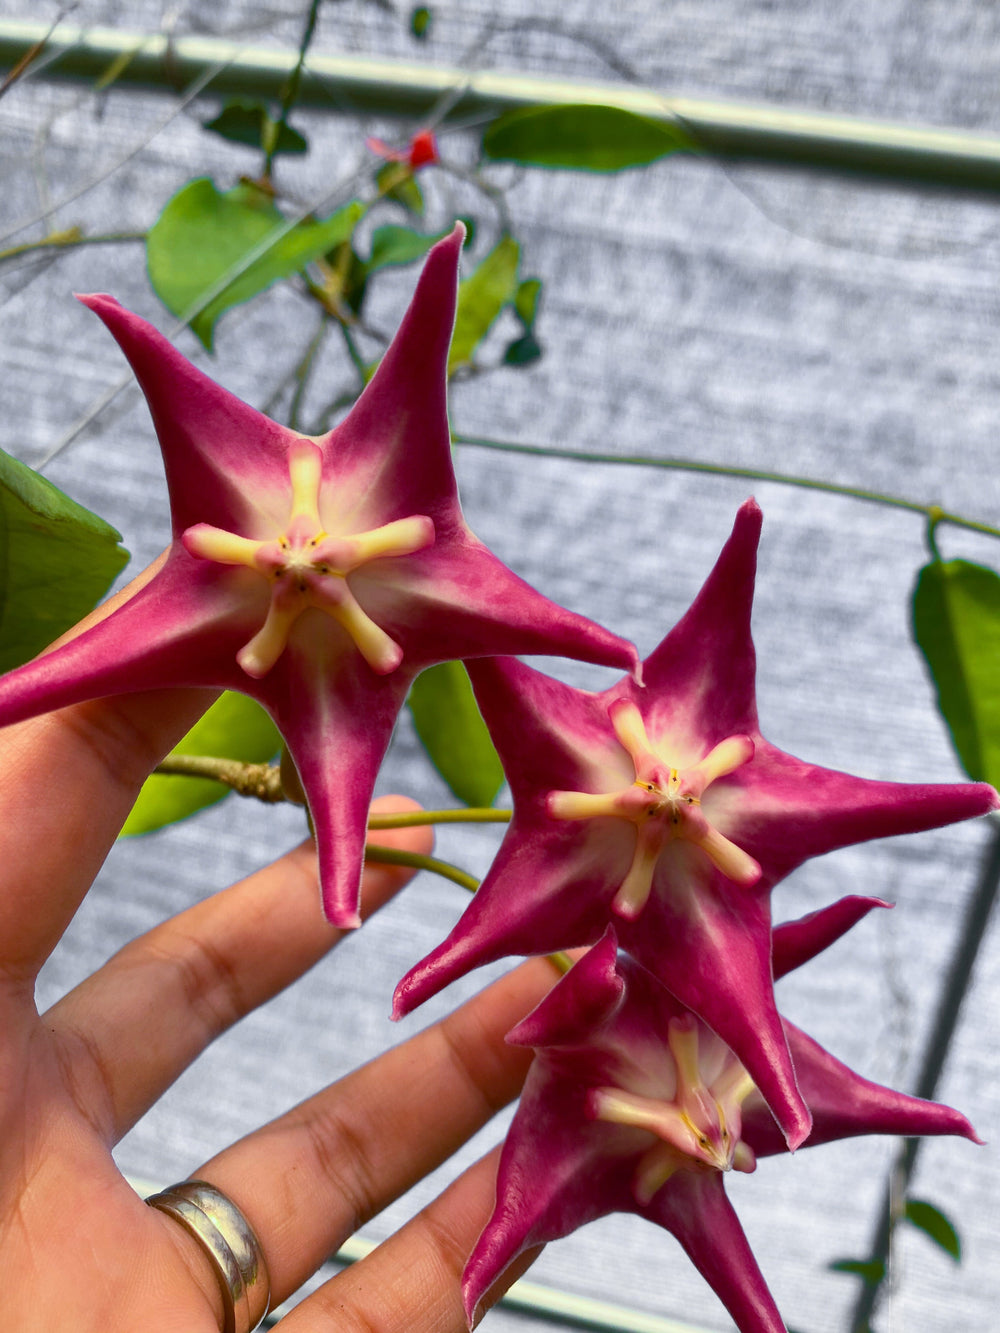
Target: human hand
x,y
78,1248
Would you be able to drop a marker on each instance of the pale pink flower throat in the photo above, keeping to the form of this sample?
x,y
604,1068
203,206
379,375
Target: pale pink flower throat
x,y
698,1129
664,803
306,567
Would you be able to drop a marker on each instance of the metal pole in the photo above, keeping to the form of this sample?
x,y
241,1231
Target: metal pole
x,y
956,985
952,157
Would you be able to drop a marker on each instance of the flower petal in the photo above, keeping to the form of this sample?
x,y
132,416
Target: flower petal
x,y
177,630
337,724
845,1105
797,942
695,1208
789,810
395,444
706,664
217,450
716,959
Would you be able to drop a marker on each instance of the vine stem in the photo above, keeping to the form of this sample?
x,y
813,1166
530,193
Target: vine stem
x,y
471,814
245,778
930,511
68,239
291,89
396,856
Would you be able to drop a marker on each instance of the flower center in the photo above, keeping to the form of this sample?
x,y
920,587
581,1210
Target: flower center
x,y
664,803
308,568
698,1129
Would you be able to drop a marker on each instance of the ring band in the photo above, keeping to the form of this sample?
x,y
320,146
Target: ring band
x,y
229,1241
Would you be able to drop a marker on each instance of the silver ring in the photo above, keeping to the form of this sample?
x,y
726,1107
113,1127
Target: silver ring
x,y
229,1241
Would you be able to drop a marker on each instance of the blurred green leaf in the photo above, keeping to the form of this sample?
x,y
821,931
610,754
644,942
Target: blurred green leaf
x,y
399,245
203,234
453,733
235,727
481,297
396,181
245,121
956,622
57,561
591,138
930,1220
872,1271
526,301
522,351
420,21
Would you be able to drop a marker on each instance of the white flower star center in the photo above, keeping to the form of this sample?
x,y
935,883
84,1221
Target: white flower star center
x,y
664,803
307,567
698,1129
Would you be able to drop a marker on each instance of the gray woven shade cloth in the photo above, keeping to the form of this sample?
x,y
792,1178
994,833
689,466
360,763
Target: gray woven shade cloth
x,y
829,326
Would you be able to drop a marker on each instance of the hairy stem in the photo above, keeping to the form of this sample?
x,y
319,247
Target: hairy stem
x,y
262,781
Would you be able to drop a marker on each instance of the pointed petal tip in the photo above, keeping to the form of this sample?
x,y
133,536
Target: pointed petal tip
x,y
98,302
797,1136
796,1124
634,665
471,1297
419,984
402,1004
345,916
749,520
449,247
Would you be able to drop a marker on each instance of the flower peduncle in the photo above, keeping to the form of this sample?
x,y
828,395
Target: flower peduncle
x,y
306,567
664,803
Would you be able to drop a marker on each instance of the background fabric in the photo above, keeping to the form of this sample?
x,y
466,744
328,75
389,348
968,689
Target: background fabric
x,y
781,319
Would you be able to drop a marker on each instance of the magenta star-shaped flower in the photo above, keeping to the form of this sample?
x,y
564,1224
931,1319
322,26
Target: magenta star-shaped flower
x,y
318,575
632,1104
660,808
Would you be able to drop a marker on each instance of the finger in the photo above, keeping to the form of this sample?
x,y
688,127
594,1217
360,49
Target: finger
x,y
412,1283
67,782
127,1032
308,1180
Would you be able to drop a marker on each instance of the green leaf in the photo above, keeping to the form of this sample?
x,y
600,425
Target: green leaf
x,y
526,301
420,21
235,727
956,622
872,1271
396,181
57,561
454,734
244,121
398,245
522,351
481,297
591,138
202,236
925,1217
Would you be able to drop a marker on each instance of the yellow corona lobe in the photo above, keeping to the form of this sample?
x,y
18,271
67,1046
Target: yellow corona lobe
x,y
664,803
307,567
697,1129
